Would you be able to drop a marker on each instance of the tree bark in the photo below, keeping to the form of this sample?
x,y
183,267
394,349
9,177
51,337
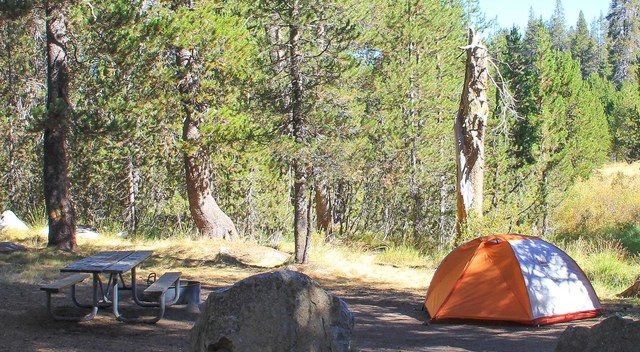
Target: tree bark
x,y
134,189
210,220
60,209
324,220
301,224
470,133
13,179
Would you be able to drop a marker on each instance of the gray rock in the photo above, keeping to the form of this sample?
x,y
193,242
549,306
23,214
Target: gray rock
x,y
614,334
9,221
9,247
273,312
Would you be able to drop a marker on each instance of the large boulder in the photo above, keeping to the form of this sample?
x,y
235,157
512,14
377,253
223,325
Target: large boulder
x,y
9,221
614,334
273,312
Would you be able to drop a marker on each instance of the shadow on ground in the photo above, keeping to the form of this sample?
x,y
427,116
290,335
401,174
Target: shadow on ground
x,y
387,319
393,320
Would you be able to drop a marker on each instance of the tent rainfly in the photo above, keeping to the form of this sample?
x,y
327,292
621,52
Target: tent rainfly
x,y
514,278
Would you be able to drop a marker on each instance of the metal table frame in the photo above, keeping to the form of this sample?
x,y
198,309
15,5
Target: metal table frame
x,y
114,264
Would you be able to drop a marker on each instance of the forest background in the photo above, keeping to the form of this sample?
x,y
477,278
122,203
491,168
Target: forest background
x,y
335,114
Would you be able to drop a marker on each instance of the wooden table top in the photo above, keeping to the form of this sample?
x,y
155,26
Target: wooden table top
x,y
108,262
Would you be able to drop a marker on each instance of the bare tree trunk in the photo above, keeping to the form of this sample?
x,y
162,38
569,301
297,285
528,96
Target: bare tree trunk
x,y
470,131
324,216
13,179
297,118
444,233
324,221
134,188
210,220
301,216
545,201
60,209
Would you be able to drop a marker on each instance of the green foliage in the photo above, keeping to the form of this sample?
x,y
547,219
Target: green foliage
x,y
382,85
584,48
624,118
407,95
623,34
606,263
628,236
557,29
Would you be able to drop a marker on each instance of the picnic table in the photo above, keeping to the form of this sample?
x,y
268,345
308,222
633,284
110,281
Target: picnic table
x,y
114,265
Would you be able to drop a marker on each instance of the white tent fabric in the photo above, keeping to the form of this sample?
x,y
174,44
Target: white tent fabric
x,y
549,272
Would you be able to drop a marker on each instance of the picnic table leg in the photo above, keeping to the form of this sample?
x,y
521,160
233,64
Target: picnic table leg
x,y
95,297
134,293
122,318
87,317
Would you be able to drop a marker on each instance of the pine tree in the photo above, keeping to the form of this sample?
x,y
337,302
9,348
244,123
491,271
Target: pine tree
x,y
413,91
60,208
23,95
624,39
305,43
584,48
624,112
192,52
561,134
557,29
599,33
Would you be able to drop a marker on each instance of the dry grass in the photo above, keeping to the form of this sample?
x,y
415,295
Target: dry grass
x,y
626,169
607,200
198,259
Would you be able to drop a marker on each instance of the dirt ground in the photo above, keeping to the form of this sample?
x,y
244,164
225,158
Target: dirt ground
x,y
386,320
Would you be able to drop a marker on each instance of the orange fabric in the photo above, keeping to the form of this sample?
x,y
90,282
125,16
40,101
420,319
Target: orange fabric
x,y
484,291
506,263
447,275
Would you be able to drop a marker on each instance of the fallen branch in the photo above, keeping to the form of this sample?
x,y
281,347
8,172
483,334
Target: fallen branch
x,y
633,291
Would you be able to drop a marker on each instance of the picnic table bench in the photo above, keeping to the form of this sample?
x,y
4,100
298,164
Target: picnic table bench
x,y
60,284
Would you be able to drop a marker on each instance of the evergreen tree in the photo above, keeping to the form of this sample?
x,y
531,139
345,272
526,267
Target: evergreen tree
x,y
624,112
561,134
20,76
558,29
196,84
599,33
306,44
415,76
624,39
60,208
584,48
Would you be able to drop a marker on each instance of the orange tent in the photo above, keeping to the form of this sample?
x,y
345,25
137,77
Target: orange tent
x,y
511,277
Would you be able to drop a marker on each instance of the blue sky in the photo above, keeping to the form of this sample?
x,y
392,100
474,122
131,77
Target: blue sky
x,y
511,12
